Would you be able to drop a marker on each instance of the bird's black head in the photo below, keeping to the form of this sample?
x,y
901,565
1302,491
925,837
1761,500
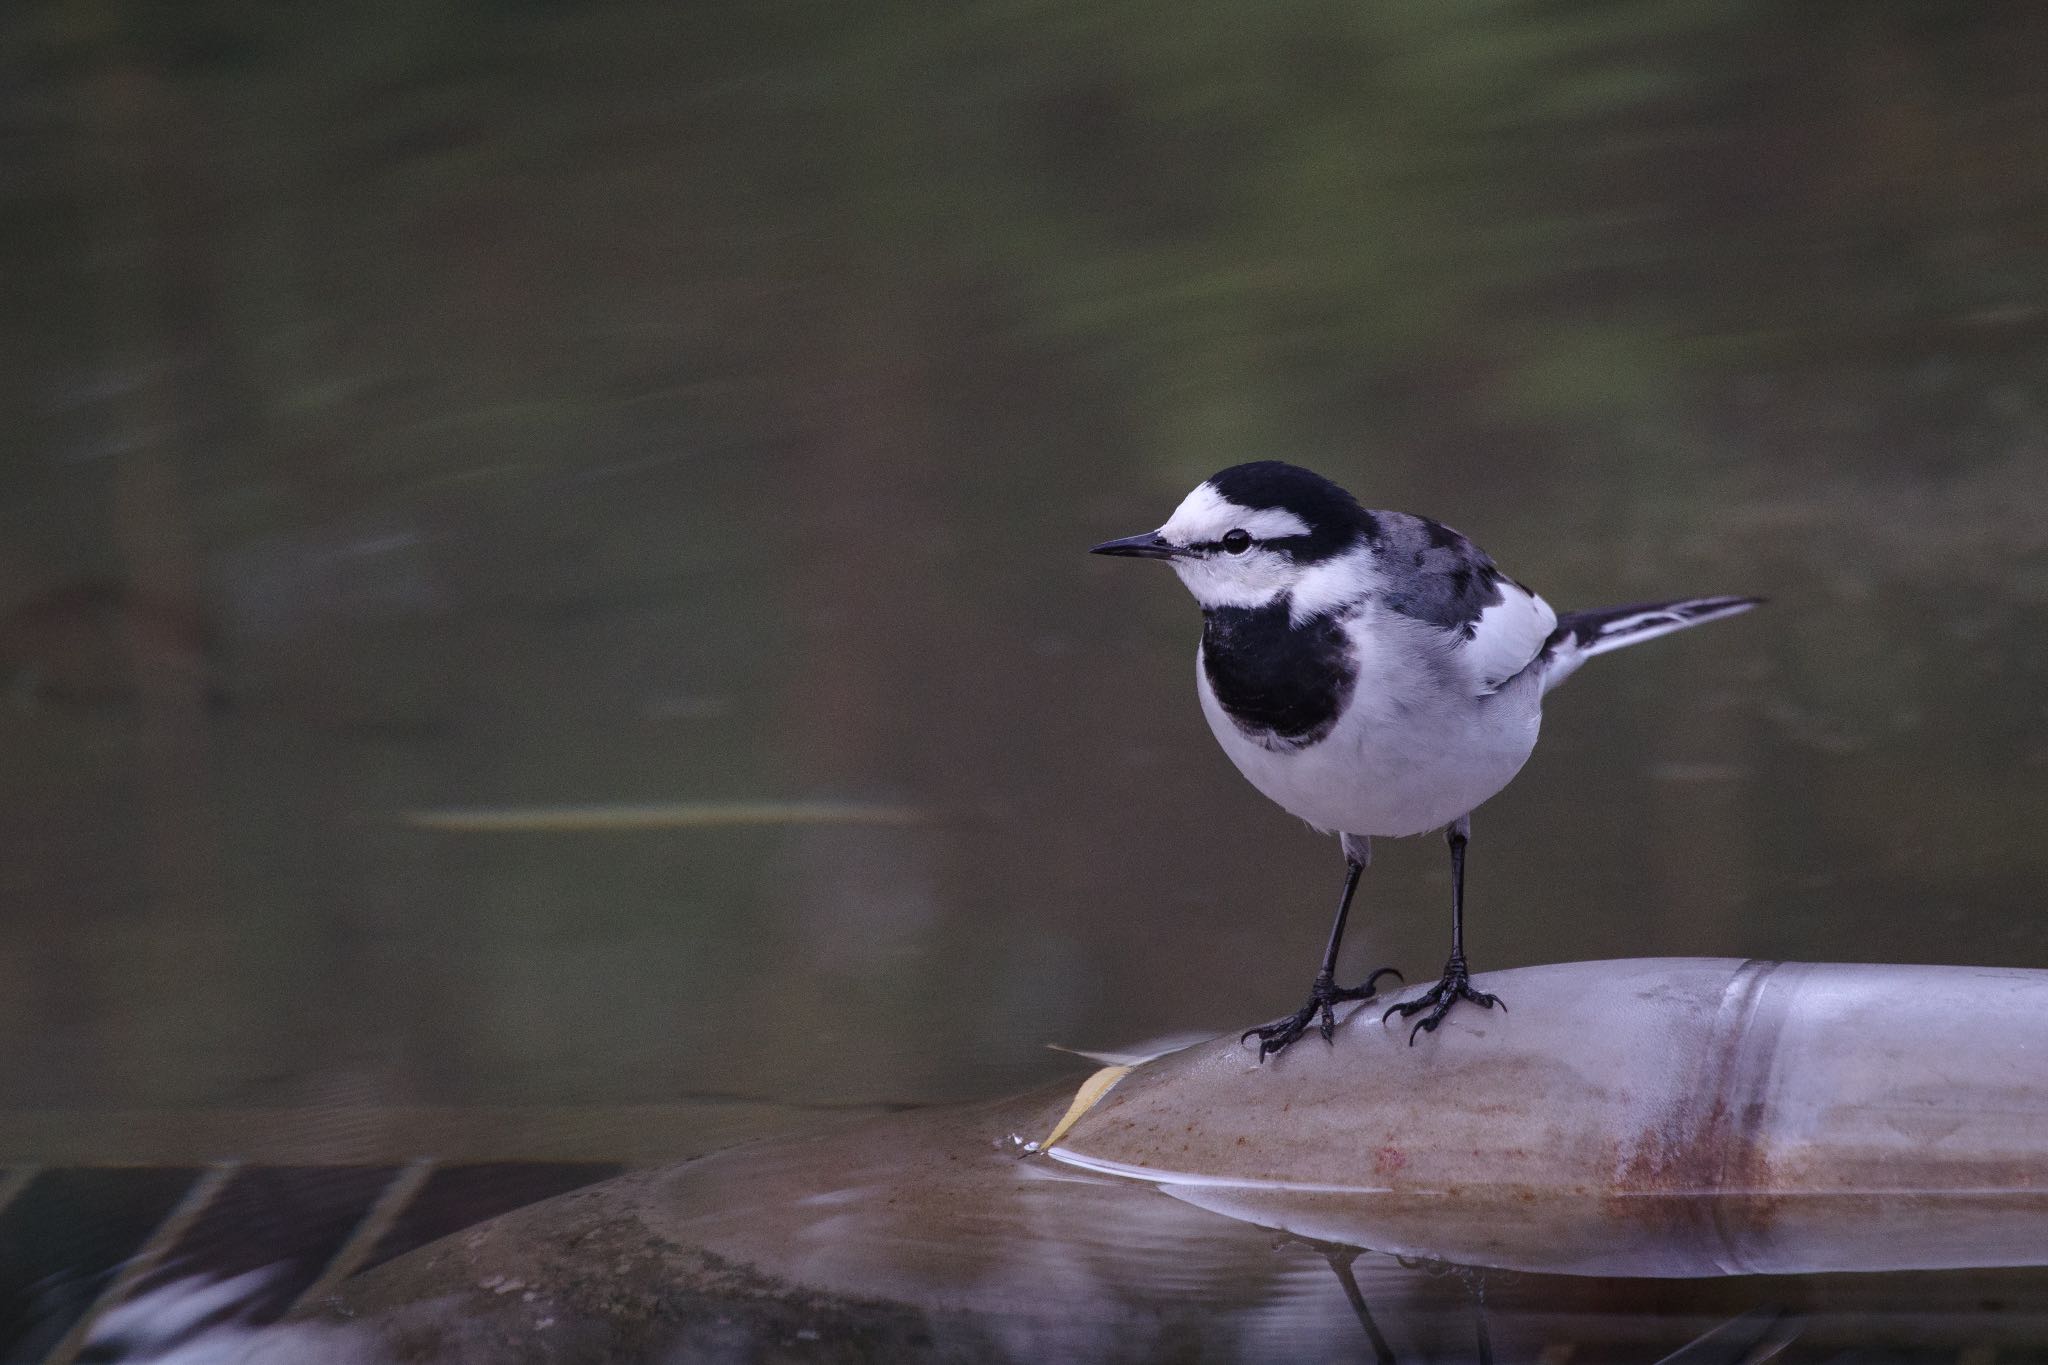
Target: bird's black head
x,y
1251,534
1334,520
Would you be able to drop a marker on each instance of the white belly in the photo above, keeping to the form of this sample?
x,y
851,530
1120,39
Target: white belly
x,y
1409,756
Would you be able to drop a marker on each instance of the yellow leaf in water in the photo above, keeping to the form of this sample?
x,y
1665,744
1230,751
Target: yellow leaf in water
x,y
1087,1097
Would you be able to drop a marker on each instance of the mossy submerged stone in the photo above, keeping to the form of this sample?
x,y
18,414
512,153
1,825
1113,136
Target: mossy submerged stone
x,y
924,1235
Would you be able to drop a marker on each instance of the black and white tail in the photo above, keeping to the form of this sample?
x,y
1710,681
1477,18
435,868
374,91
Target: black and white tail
x,y
1582,634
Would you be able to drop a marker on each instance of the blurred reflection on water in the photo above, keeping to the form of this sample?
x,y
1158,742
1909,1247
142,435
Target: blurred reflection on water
x,y
536,404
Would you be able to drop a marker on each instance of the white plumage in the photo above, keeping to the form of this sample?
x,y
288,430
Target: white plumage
x,y
1422,742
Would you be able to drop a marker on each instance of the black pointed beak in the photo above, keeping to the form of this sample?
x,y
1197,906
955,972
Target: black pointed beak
x,y
1148,546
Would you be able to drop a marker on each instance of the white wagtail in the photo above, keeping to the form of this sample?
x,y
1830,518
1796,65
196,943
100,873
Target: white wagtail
x,y
1373,673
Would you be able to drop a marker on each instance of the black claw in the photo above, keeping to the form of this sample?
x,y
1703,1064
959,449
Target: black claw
x,y
1282,1033
1453,986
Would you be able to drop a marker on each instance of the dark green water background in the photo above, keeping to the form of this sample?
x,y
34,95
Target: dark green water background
x,y
542,403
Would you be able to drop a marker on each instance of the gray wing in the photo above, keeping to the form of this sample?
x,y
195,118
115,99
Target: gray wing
x,y
1436,575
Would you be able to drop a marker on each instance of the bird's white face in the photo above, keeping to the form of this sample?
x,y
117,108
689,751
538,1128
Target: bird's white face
x,y
1233,555
1225,560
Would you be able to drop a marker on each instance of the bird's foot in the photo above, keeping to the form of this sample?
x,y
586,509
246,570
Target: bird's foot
x,y
1325,994
1453,986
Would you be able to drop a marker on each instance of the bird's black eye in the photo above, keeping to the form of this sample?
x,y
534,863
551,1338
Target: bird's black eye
x,y
1236,542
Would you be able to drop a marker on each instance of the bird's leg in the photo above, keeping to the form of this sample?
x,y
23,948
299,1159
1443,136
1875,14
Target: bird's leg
x,y
1325,992
1456,982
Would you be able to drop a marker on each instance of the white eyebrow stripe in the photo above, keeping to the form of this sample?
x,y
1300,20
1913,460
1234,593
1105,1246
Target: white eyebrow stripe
x,y
1272,523
1206,516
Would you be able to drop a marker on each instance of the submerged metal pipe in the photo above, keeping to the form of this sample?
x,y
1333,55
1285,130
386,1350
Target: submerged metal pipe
x,y
1673,1118
1667,1117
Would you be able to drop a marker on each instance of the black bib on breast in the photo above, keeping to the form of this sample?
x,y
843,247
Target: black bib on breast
x,y
1278,681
